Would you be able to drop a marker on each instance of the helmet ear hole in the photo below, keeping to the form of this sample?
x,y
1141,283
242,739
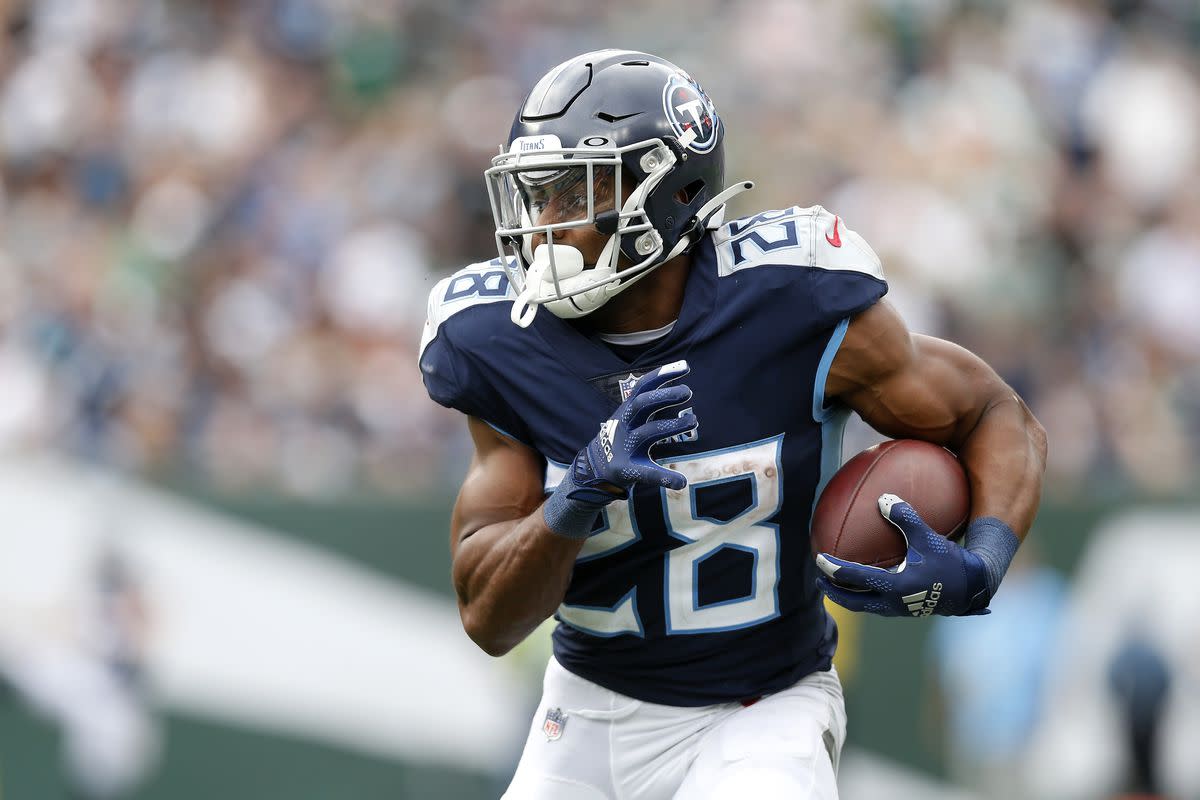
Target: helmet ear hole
x,y
688,193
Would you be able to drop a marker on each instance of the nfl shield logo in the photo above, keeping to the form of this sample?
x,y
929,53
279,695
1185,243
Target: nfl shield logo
x,y
627,385
556,720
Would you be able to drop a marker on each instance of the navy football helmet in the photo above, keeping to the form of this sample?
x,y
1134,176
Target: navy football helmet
x,y
590,123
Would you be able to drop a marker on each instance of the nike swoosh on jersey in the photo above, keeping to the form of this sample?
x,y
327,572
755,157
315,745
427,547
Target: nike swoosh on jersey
x,y
836,241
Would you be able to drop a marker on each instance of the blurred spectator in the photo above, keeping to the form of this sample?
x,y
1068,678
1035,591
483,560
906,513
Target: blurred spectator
x,y
87,679
1121,703
221,220
1141,680
991,675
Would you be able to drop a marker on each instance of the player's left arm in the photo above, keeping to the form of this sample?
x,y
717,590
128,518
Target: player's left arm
x,y
911,386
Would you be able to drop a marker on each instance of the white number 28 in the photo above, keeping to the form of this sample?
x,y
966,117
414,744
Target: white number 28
x,y
748,531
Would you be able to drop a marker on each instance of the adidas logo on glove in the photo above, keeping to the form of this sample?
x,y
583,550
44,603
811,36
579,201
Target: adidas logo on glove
x,y
607,431
922,604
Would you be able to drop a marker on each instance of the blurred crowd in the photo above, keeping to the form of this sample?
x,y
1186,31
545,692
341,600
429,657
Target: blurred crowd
x,y
219,221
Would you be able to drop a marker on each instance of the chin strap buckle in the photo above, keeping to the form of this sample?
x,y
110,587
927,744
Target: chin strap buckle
x,y
709,210
711,214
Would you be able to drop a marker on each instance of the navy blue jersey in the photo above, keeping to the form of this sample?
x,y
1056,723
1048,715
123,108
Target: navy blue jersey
x,y
707,594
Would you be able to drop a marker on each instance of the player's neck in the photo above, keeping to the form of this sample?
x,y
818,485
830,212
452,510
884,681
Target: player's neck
x,y
651,303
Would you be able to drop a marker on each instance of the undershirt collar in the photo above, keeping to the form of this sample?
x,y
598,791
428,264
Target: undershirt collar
x,y
637,337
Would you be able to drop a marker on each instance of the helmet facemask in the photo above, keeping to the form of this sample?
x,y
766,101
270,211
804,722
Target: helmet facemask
x,y
540,188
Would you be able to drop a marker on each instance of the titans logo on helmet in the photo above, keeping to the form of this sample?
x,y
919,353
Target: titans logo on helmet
x,y
691,114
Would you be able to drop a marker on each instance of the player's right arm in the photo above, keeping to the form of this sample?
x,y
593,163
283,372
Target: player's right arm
x,y
512,554
510,571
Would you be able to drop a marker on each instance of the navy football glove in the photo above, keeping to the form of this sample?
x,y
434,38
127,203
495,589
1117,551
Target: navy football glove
x,y
618,458
937,576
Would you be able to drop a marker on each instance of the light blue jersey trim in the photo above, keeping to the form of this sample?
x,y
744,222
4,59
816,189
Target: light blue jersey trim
x,y
832,430
832,418
501,431
820,411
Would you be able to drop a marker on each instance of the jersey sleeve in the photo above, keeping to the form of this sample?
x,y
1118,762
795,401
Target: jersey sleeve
x,y
802,259
847,276
454,375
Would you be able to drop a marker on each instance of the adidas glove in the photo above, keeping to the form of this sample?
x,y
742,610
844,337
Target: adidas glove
x,y
937,576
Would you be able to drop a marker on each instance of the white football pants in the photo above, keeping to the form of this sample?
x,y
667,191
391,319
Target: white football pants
x,y
589,743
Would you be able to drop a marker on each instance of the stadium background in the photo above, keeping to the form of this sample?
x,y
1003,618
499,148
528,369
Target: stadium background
x,y
223,492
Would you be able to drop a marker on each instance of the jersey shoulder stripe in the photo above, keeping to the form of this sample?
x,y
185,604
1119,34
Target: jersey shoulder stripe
x,y
804,237
477,284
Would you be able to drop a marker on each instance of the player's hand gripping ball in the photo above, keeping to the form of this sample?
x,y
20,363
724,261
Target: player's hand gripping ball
x,y
936,576
846,521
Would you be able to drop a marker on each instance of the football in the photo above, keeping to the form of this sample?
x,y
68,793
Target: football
x,y
846,521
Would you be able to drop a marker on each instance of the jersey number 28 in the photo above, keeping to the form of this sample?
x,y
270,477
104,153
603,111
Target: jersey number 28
x,y
748,531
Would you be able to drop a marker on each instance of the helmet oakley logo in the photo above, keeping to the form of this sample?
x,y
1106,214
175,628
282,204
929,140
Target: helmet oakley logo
x,y
691,114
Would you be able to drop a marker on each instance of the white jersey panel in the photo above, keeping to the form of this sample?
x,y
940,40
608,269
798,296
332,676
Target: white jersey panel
x,y
485,282
803,237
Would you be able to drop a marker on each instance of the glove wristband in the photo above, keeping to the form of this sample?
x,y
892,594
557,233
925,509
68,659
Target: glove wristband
x,y
995,544
574,516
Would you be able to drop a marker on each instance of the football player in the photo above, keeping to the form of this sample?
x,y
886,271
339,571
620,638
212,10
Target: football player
x,y
656,397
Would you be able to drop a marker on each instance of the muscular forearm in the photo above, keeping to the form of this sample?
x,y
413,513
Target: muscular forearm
x,y
1005,458
510,576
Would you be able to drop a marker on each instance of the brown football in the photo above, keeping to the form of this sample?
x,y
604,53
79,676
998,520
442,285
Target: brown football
x,y
846,521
